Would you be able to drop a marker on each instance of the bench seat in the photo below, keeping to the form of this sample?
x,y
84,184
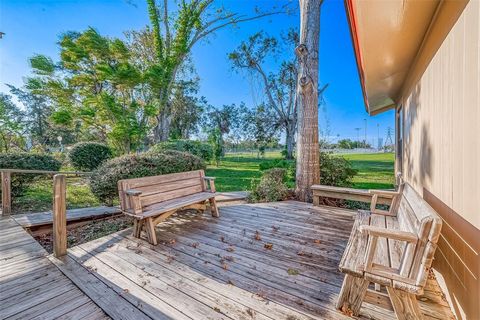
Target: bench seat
x,y
387,256
169,205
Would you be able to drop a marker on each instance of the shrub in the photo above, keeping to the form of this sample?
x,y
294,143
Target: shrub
x,y
28,161
197,148
288,165
103,181
335,170
87,156
272,187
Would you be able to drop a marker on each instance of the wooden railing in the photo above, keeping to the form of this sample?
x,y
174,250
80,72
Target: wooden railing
x,y
6,175
346,194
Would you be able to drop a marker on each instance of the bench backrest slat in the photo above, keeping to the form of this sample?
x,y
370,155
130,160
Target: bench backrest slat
x,y
156,189
415,215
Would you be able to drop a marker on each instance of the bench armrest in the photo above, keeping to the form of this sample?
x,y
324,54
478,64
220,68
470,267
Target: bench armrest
x,y
211,183
385,193
389,233
134,201
133,192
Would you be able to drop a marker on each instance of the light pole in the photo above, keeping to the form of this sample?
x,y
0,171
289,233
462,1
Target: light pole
x,y
59,138
365,140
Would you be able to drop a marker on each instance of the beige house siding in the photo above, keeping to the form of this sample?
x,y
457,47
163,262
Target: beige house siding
x,y
441,154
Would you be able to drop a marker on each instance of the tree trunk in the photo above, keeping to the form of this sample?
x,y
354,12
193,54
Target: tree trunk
x,y
289,140
308,153
162,129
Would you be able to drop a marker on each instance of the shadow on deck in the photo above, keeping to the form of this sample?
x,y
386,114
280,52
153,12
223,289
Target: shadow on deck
x,y
263,261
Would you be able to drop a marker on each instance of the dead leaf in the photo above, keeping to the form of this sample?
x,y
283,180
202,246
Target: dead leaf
x,y
347,311
195,244
217,309
257,236
292,272
172,241
222,238
225,266
316,241
250,312
305,254
268,246
230,249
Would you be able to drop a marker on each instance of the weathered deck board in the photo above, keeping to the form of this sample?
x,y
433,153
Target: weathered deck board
x,y
221,269
37,219
30,285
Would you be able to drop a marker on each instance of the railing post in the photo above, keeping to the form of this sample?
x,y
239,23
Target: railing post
x,y
6,193
59,216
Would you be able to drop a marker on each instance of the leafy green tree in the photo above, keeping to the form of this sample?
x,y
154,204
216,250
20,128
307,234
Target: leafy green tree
x,y
258,126
218,122
174,36
97,83
12,125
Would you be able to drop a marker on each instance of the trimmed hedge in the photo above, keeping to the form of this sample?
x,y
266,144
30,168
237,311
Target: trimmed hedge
x,y
87,156
27,161
197,148
103,181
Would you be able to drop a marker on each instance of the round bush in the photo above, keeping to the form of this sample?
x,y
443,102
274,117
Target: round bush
x,y
28,161
272,187
103,181
87,156
197,148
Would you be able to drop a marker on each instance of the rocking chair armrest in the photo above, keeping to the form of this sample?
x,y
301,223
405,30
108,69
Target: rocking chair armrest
x,y
389,233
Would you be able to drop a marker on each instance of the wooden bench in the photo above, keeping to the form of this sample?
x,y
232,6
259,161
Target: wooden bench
x,y
151,200
391,248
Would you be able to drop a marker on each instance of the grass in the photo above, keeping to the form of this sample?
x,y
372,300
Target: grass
x,y
375,171
236,172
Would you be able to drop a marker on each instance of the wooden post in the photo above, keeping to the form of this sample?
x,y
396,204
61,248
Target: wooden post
x,y
6,193
59,216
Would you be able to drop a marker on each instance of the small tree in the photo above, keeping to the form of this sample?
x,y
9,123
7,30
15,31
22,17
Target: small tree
x,y
259,127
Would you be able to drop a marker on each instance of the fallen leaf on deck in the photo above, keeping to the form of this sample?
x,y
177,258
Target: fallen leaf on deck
x,y
222,238
217,309
172,241
316,241
257,236
225,266
346,311
268,246
230,249
195,244
292,272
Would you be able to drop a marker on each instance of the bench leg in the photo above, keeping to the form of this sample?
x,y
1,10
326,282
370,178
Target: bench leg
x,y
150,228
352,294
213,207
404,304
137,228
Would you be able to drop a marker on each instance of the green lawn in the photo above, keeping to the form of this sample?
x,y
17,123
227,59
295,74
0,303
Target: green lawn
x,y
236,172
375,171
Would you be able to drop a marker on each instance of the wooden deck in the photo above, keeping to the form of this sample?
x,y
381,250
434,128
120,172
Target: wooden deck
x,y
262,261
31,286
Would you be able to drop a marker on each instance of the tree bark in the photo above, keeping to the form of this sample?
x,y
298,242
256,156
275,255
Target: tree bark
x,y
290,139
308,152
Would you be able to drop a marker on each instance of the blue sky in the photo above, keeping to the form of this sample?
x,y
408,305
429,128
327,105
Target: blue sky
x,y
33,27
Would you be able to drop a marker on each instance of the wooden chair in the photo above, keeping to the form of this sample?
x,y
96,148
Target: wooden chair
x,y
151,200
392,248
